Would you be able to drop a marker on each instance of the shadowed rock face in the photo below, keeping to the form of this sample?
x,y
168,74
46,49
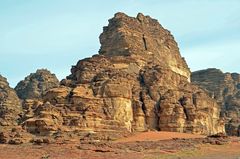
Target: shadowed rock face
x,y
36,84
225,88
10,106
139,81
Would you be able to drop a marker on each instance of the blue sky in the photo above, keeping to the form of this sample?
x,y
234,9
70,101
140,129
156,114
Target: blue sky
x,y
55,34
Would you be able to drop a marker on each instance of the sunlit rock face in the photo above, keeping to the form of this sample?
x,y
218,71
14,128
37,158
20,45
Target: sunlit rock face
x,y
137,82
225,89
10,106
11,114
145,37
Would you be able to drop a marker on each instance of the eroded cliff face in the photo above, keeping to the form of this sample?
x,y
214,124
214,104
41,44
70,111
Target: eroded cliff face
x,y
10,114
225,89
10,106
21,106
137,82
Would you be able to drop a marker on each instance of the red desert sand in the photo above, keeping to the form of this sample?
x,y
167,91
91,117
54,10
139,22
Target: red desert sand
x,y
140,146
155,136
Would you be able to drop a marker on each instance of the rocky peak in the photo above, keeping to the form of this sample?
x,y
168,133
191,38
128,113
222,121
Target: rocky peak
x,y
10,106
36,84
3,82
217,83
137,83
145,37
3,78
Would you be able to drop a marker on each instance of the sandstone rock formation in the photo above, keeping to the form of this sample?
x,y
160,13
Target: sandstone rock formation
x,y
139,81
10,106
36,84
145,37
225,88
10,115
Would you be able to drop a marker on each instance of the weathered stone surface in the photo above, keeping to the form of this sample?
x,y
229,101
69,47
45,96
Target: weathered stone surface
x,y
36,84
142,36
45,121
139,81
10,114
14,135
10,106
225,89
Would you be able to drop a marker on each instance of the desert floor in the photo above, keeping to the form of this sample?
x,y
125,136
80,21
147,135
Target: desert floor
x,y
147,145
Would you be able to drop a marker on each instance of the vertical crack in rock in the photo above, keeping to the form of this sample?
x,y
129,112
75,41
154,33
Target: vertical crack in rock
x,y
149,105
194,100
183,103
70,96
158,110
141,99
144,109
144,42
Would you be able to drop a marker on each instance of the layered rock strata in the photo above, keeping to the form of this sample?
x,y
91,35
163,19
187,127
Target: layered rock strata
x,y
145,37
225,89
11,115
139,81
10,105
